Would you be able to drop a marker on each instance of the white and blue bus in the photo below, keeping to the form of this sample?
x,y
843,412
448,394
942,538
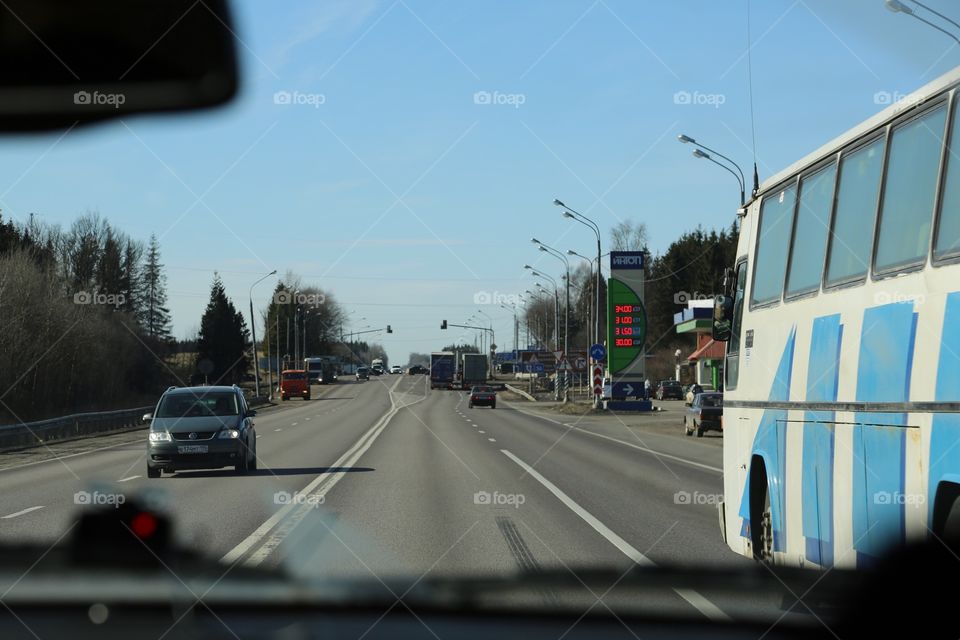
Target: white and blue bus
x,y
842,321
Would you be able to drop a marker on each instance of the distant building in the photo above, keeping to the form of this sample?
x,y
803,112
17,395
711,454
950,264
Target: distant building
x,y
704,365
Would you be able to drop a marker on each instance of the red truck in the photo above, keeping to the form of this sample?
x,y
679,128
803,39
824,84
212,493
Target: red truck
x,y
294,384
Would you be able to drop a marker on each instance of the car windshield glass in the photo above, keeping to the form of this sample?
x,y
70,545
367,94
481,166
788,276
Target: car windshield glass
x,y
184,405
294,376
708,400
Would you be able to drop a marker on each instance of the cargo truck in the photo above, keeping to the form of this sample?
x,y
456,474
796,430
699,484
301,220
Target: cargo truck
x,y
442,367
474,369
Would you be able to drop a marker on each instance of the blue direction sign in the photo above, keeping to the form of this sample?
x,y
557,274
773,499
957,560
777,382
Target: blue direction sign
x,y
627,389
597,352
532,367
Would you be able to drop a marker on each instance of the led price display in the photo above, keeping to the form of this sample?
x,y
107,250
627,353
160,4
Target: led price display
x,y
627,328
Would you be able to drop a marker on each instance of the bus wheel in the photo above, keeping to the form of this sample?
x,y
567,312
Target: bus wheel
x,y
762,530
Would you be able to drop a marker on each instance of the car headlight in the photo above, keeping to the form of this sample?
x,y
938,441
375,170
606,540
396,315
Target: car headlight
x,y
228,434
160,436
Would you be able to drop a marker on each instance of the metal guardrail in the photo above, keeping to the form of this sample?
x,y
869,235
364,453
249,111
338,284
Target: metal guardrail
x,y
31,434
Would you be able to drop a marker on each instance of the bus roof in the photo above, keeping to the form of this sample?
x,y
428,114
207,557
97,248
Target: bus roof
x,y
877,121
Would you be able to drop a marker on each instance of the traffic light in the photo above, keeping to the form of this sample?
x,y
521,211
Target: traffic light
x,y
443,325
389,330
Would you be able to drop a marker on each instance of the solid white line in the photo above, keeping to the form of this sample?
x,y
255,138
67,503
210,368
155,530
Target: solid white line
x,y
20,513
130,478
587,517
348,459
701,604
659,454
695,599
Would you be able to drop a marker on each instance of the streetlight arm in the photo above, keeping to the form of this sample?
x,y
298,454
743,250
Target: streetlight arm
x,y
723,166
743,180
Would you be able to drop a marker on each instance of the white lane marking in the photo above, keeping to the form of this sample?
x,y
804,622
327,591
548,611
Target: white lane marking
x,y
481,432
659,454
587,517
328,481
492,439
259,436
278,430
304,418
295,424
699,602
20,513
130,478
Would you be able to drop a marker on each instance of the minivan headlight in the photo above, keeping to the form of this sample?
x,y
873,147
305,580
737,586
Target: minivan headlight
x,y
228,434
160,436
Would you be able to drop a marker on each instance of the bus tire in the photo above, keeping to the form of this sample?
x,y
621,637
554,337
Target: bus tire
x,y
946,514
761,518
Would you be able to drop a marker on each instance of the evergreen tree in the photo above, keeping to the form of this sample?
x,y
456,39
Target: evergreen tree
x,y
224,340
153,314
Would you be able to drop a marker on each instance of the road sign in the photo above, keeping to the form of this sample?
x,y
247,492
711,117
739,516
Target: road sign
x,y
581,363
558,355
627,389
564,366
531,367
597,380
598,352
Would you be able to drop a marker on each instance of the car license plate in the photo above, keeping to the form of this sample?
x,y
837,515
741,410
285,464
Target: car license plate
x,y
192,448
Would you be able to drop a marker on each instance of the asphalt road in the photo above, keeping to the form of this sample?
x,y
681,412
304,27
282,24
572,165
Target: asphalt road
x,y
387,478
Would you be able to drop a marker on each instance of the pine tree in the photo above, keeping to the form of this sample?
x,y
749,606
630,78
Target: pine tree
x,y
223,343
154,316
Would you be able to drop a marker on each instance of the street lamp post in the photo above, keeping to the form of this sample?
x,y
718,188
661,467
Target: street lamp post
x,y
253,330
898,7
566,263
705,152
587,222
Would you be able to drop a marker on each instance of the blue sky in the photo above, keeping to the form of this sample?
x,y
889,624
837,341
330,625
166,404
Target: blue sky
x,y
388,184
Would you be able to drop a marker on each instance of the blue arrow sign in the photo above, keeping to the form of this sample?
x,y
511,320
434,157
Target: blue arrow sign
x,y
597,352
627,389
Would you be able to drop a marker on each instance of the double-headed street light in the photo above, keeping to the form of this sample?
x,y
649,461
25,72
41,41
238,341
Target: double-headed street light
x,y
587,222
556,307
705,152
898,7
566,263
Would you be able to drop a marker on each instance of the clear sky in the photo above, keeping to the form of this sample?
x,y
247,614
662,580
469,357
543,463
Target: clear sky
x,y
424,141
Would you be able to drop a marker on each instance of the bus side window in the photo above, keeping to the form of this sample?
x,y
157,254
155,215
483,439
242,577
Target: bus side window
x,y
909,191
732,364
947,244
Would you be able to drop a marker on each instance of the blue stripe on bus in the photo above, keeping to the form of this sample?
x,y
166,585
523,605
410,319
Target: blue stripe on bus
x,y
879,452
770,444
945,431
823,374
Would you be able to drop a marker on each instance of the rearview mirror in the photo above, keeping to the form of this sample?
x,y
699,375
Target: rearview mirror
x,y
251,412
70,62
722,318
147,417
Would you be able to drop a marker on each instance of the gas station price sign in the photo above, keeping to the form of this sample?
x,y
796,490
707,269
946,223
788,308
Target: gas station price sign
x,y
626,325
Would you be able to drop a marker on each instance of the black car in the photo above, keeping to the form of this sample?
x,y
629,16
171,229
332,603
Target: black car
x,y
705,413
482,396
363,373
417,369
201,428
669,389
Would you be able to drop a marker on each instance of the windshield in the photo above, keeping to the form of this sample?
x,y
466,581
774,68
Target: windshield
x,y
184,405
568,188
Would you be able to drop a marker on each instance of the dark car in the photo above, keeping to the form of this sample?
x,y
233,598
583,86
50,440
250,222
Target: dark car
x,y
483,396
417,369
363,373
201,428
669,389
705,413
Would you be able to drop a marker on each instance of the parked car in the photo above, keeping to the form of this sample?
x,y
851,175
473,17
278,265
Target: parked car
x,y
363,373
294,384
201,428
669,389
483,396
705,413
